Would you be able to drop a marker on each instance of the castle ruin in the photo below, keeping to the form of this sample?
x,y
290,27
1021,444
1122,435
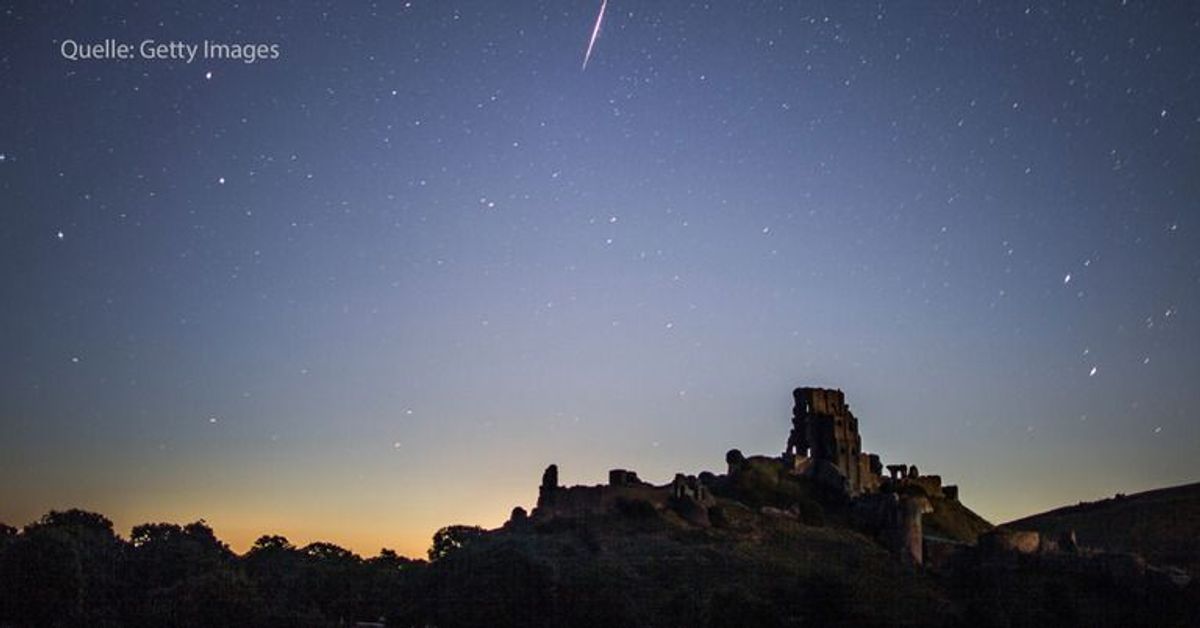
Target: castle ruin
x,y
825,432
824,445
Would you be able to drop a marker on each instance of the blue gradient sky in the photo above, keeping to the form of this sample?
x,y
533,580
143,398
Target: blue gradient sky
x,y
376,285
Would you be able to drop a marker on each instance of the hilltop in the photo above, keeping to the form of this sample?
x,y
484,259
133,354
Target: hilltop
x,y
1162,525
818,535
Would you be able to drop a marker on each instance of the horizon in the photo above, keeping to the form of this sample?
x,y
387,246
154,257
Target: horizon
x,y
243,537
355,273
243,541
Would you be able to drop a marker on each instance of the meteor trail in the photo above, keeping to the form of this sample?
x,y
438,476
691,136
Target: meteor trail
x,y
595,33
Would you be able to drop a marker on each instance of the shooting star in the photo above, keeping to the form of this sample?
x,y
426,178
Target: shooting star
x,y
595,33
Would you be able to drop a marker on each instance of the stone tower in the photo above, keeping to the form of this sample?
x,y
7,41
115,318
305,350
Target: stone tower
x,y
824,430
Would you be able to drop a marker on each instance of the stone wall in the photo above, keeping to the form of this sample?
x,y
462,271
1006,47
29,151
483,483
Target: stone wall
x,y
824,429
577,501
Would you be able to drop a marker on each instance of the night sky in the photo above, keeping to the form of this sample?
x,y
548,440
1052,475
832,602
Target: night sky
x,y
375,285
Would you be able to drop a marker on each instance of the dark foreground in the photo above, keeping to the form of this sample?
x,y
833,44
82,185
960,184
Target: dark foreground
x,y
636,566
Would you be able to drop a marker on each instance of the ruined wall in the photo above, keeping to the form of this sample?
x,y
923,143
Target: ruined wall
x,y
931,484
576,501
902,475
824,429
911,530
897,521
868,473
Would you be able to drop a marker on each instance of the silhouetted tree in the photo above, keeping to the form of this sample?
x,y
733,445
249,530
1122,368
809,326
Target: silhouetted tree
x,y
8,534
221,597
332,575
63,569
163,554
42,580
184,575
70,569
451,538
281,574
272,542
391,582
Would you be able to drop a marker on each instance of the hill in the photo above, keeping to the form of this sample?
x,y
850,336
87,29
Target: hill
x,y
642,567
632,565
637,565
1162,525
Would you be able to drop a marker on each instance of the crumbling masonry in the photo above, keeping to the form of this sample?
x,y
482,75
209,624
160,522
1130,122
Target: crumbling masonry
x,y
825,432
824,445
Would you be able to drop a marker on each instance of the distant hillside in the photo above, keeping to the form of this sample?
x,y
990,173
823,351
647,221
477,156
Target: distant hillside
x,y
1162,525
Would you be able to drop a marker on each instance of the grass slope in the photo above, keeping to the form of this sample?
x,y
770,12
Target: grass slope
x,y
651,569
1162,525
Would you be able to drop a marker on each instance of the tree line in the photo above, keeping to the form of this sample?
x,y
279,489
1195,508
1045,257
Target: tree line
x,y
71,569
